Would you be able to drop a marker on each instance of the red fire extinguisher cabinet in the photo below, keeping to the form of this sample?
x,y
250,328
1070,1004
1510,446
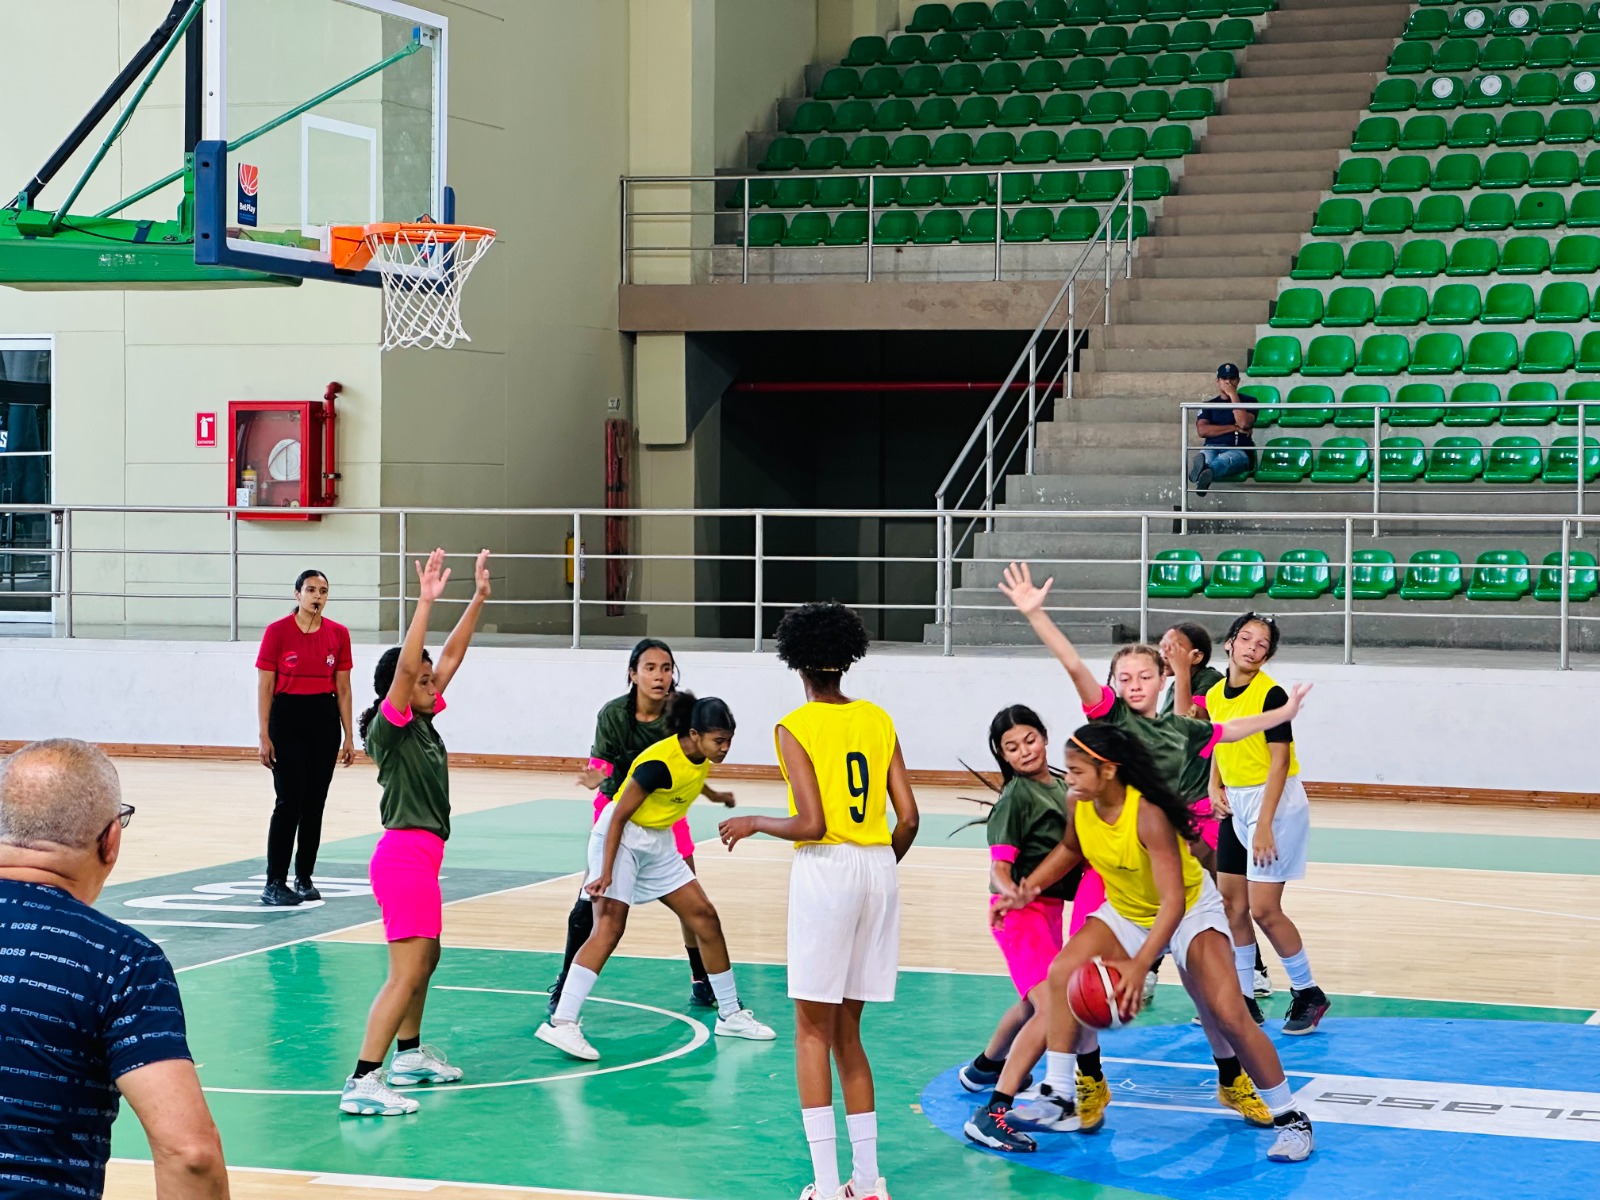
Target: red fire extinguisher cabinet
x,y
282,463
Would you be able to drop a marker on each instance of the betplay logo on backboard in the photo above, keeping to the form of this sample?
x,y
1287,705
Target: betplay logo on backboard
x,y
249,182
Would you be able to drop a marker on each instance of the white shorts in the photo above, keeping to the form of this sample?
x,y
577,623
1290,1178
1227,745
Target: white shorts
x,y
648,864
1207,913
1291,830
844,924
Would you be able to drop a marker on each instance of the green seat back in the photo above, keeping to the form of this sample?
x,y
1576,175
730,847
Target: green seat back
x,y
895,228
1411,58
1066,43
1502,170
1169,141
1563,302
980,228
1321,260
1284,460
1193,104
1237,575
767,229
1358,405
1039,146
1490,211
1473,256
923,191
1570,126
1576,254
839,193
1168,69
1129,71
1508,304
1554,168
1561,463
1500,575
1514,459
1125,144
1430,399
1190,35
1107,41
849,229
1389,214
1402,459
993,149
977,112
1330,354
1437,354
866,152
1548,352
1420,258
1455,460
1000,79
1358,175
1432,575
1214,66
1402,304
1522,128
1019,111
1301,575
1372,575
1582,582
1307,406
808,229
922,80
965,191
1176,573
1024,44
1148,106
1046,75
1337,217
960,79
1297,308
1536,87
1499,54
908,150
939,228
1104,108
1342,460
1527,254
951,150
1262,394
1410,173
1475,404
793,193
1540,395
1084,74
1349,306
1056,187
1076,224
1384,354
1455,304
1370,260
1150,39
1031,225
1394,95
1485,91
929,18
937,112
1376,133
1541,210
1426,131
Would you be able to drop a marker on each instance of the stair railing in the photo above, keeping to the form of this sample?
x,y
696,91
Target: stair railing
x,y
1009,426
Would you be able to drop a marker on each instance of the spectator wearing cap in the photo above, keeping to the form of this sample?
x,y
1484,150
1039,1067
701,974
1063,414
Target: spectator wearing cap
x,y
1224,428
92,1012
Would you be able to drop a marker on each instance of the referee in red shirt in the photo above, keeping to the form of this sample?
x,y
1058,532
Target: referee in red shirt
x,y
302,703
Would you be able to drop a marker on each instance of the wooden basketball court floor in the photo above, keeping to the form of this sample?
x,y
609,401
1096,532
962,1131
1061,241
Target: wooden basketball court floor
x,y
1409,910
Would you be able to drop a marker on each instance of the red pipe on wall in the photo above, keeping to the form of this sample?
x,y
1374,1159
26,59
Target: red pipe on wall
x,y
833,385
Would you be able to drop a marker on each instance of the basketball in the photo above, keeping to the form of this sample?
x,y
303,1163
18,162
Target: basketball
x,y
1091,994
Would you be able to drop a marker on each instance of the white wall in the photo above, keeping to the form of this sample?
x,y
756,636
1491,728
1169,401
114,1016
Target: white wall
x,y
1425,727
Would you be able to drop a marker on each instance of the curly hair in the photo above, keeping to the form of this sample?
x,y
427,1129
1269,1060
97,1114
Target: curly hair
x,y
821,640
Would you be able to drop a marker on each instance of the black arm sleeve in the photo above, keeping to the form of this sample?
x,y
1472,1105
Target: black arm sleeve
x,y
653,776
1277,698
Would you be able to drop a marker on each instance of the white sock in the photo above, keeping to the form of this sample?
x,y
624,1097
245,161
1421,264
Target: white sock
x,y
1279,1099
727,993
823,1138
1061,1073
1299,970
580,982
1244,962
863,1148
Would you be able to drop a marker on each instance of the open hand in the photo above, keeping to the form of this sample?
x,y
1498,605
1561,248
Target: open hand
x,y
589,778
1297,696
1130,987
1019,588
432,577
480,573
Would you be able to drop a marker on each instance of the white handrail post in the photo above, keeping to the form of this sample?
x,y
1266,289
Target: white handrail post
x,y
988,474
400,629
1105,300
871,224
1144,574
761,530
1127,261
622,239
744,191
1377,471
577,579
999,181
1566,596
66,571
948,571
1349,590
1033,400
1183,469
1072,334
1583,462
233,577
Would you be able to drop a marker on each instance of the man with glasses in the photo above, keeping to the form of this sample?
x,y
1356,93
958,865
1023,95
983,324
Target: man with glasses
x,y
91,1007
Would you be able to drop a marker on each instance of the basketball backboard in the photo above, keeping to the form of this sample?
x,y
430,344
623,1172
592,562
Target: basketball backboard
x,y
317,113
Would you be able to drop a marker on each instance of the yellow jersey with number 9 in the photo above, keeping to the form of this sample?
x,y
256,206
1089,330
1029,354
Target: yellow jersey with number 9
x,y
850,746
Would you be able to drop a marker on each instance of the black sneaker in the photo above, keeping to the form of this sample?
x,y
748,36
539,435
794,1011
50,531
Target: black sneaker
x,y
306,890
991,1127
1202,481
701,995
1306,1009
1197,463
278,895
1256,1014
974,1080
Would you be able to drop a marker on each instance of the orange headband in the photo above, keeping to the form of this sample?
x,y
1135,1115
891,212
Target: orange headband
x,y
1091,753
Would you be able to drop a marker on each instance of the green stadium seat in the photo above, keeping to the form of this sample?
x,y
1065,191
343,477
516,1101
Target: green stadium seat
x,y
876,83
1505,169
838,84
849,229
1084,74
1100,187
1584,212
1500,575
811,117
852,116
1425,25
1588,389
1410,172
923,191
1150,106
1066,43
1337,217
1015,188
977,112
1358,175
1540,395
1046,13
1389,214
1549,51
768,229
1130,71
1439,214
1474,405
1008,14
980,228
1474,21
1125,144
1169,141
1591,169
1330,354
1541,210
938,112
908,150
929,18
1190,36
1301,575
1237,575
1420,258
1525,127
1105,108
887,190
1490,212
1168,69
1318,260
866,152
1589,355
1056,187
1394,95
1586,51
808,229
1456,459
1081,145
1233,34
1176,574
1427,131
784,154
1078,224
1564,302
838,193
1514,459
1087,12
993,149
1493,352
965,191
1062,109
1349,307
1193,104
761,193
1275,356
1001,79
1342,460
1250,8
1151,183
1412,58
1019,111
1370,260
1554,168
1460,172
1536,87
1031,225
1045,75
865,52
1284,460
1576,254
961,79
1372,572
1455,304
1126,12
1570,125
1359,405
1508,304
1039,146
1499,54
1583,579
1307,406
1151,40
1376,133
1402,459
968,16
1485,91
1023,45
907,50
1441,92
1580,87
1264,394
1548,352
1214,66
1441,582
1405,304
1526,254
1473,256
1561,17
1107,41
939,228
942,49
1561,463
1437,354
1383,354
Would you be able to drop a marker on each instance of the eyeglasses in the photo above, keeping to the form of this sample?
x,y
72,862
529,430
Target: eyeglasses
x,y
1264,618
124,815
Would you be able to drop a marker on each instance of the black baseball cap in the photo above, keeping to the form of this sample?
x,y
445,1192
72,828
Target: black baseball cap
x,y
1228,371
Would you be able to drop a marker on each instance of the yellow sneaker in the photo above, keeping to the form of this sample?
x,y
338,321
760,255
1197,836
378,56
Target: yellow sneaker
x,y
1242,1097
1093,1096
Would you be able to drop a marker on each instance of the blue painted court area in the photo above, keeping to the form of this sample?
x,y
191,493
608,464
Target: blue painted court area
x,y
1443,1109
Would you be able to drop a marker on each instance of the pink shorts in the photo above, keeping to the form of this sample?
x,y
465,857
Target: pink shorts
x,y
405,880
1030,939
681,837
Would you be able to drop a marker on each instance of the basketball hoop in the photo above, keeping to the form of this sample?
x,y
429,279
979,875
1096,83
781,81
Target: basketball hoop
x,y
424,267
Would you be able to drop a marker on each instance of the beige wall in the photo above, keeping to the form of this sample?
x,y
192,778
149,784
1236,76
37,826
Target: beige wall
x,y
762,50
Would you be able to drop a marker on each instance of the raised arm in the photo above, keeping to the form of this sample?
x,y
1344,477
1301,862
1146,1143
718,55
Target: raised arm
x,y
808,824
906,817
184,1143
1240,728
455,646
431,578
1019,588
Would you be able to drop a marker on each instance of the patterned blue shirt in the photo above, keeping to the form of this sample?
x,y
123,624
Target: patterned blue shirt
x,y
83,1000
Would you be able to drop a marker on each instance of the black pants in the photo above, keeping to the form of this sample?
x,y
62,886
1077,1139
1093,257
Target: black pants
x,y
306,736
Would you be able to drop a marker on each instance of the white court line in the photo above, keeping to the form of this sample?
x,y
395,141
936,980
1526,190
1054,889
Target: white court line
x,y
700,1037
1594,1018
402,1184
1533,912
1210,1066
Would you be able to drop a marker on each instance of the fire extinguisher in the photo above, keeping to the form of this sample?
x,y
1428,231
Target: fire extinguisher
x,y
577,568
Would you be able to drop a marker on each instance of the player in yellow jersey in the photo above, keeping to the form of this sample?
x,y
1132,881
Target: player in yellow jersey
x,y
842,761
634,860
1132,828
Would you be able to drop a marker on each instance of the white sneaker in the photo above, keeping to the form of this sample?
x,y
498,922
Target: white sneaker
x,y
879,1191
743,1024
1058,1114
1149,990
425,1064
811,1193
1263,984
1295,1141
568,1038
370,1096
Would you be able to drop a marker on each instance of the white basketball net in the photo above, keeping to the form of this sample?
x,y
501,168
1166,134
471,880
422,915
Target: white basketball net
x,y
424,271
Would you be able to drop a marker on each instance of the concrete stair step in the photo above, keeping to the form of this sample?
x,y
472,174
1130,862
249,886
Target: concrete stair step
x,y
1164,290
1311,66
1213,161
1310,101
1321,85
1285,123
1260,145
1118,336
1240,242
1087,410
1269,51
1265,183
1290,9
1293,222
1199,267
1302,201
1183,312
1190,359
1118,434
1096,492
1081,461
